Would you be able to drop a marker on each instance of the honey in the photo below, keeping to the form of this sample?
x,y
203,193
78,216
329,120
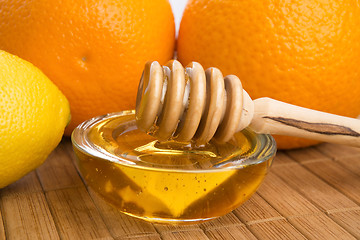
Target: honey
x,y
169,182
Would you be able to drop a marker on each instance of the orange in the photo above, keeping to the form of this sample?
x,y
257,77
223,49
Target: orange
x,y
304,52
94,51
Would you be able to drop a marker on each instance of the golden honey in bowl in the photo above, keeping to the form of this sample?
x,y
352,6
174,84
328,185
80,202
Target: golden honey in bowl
x,y
169,182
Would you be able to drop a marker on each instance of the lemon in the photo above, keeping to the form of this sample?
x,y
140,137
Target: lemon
x,y
33,116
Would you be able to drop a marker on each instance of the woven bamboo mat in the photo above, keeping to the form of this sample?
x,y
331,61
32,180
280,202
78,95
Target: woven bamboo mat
x,y
312,193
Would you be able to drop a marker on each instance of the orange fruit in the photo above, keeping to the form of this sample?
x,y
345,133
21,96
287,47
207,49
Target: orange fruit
x,y
94,51
303,52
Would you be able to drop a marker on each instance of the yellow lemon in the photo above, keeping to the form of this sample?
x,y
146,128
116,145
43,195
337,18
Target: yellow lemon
x,y
33,116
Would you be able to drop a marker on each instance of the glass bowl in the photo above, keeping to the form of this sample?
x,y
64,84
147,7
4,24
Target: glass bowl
x,y
169,182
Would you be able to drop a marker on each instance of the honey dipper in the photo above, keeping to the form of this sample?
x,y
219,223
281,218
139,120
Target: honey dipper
x,y
189,103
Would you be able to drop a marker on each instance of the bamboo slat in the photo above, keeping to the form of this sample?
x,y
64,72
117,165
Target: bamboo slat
x,y
141,237
339,177
320,227
352,164
184,235
349,220
58,171
76,215
305,155
284,199
28,184
324,196
2,230
278,229
256,209
27,216
281,159
231,232
338,151
225,221
120,225
311,193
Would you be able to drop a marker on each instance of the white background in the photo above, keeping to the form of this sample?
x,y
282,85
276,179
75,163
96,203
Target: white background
x,y
178,8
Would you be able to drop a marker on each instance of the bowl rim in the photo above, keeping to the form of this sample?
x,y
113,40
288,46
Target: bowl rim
x,y
266,151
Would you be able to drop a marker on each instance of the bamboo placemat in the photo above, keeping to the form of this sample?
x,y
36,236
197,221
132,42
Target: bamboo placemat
x,y
311,193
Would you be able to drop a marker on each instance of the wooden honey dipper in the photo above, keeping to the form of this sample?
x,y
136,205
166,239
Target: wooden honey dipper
x,y
185,104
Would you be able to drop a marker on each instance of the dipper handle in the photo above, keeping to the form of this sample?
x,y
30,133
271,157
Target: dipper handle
x,y
275,117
